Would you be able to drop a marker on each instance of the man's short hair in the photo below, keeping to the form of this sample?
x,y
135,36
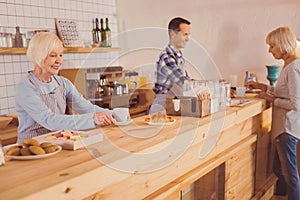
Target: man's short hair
x,y
174,24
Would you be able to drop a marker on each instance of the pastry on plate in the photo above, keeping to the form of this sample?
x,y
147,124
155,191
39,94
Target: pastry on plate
x,y
159,117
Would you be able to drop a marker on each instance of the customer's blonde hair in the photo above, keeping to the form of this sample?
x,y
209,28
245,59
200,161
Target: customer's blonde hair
x,y
41,45
284,38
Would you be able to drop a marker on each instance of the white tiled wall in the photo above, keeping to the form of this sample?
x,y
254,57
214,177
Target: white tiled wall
x,y
40,14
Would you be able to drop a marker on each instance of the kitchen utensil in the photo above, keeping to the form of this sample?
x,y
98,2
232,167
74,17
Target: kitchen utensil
x,y
118,89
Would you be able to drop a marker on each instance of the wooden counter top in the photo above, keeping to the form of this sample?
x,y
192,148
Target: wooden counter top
x,y
137,161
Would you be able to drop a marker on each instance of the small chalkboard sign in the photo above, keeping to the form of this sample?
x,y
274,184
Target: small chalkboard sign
x,y
68,32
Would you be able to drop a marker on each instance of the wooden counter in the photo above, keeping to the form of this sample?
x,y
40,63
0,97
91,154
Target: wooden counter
x,y
150,162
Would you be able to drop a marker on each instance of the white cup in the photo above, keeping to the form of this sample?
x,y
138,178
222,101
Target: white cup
x,y
240,91
121,114
176,103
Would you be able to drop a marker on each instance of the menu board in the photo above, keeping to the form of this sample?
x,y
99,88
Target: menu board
x,y
68,32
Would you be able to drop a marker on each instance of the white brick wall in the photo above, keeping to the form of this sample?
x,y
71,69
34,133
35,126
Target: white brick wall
x,y
39,14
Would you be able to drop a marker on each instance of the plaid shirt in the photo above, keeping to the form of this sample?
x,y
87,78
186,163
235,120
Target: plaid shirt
x,y
170,70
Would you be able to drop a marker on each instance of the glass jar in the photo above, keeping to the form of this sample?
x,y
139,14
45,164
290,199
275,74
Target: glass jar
x,y
3,42
131,79
9,40
24,40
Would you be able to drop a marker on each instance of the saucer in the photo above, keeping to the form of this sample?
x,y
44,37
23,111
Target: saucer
x,y
124,123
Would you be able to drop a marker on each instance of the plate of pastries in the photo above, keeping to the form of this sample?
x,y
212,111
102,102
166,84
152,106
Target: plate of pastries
x,y
159,118
31,149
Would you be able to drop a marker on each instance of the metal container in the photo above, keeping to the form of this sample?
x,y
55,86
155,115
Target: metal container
x,y
118,89
125,89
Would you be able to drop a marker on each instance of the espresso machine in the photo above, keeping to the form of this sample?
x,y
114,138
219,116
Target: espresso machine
x,y
103,86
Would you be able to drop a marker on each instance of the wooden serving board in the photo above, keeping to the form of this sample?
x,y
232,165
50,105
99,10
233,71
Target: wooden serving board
x,y
9,134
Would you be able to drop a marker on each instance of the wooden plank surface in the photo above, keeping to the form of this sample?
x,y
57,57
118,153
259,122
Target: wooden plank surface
x,y
78,174
9,134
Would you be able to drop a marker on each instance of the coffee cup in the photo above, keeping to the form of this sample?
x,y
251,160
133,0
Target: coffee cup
x,y
176,103
121,114
240,91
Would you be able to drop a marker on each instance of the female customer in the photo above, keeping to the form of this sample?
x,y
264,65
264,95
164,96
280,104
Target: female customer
x,y
285,97
42,96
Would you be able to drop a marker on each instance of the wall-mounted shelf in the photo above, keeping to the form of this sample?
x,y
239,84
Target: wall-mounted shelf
x,y
90,50
20,51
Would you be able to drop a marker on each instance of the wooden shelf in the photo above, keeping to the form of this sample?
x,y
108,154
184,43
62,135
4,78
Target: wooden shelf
x,y
12,51
90,50
20,51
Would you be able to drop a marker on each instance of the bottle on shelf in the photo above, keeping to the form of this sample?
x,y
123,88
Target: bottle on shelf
x,y
102,32
98,36
107,42
94,32
18,38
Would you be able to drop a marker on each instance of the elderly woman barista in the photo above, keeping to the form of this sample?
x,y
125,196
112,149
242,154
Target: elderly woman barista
x,y
42,96
285,97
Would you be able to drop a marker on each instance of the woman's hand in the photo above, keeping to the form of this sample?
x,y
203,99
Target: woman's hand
x,y
256,85
104,119
266,96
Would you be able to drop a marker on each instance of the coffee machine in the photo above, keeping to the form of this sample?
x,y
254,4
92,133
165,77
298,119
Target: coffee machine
x,y
103,86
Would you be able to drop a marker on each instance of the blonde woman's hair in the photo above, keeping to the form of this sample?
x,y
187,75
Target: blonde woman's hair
x,y
41,45
284,38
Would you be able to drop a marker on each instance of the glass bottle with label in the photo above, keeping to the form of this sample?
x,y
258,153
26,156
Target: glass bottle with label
x,y
102,32
98,36
107,42
94,32
18,38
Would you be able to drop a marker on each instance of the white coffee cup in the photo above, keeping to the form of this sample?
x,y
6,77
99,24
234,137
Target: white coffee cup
x,y
176,103
240,91
121,114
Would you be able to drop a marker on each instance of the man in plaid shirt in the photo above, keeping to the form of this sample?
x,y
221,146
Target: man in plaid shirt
x,y
170,71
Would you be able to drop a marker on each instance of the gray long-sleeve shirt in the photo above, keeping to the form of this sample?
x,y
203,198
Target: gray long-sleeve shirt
x,y
31,108
286,106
